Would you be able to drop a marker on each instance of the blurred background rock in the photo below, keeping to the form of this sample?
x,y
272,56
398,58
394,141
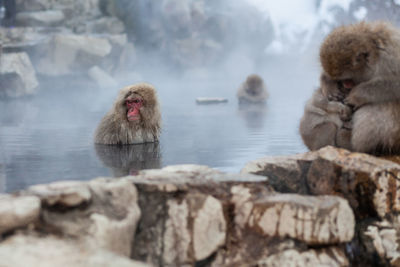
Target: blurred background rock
x,y
69,37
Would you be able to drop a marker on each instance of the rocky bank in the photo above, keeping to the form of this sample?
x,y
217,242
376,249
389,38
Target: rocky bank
x,y
325,208
60,40
96,41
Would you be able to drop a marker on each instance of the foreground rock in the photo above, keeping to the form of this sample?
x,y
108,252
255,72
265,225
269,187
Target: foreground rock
x,y
188,215
35,251
370,184
298,217
16,212
107,212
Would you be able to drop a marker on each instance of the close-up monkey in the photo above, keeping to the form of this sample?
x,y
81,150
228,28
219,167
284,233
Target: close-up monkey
x,y
325,119
252,90
134,118
365,58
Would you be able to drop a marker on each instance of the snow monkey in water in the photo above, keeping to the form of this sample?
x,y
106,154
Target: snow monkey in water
x,y
252,90
134,118
365,58
326,118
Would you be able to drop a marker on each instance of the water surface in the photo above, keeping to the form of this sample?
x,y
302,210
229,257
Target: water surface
x,y
49,137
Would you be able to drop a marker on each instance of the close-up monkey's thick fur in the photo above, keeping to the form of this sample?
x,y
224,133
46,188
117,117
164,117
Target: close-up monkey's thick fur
x,y
369,55
322,123
115,128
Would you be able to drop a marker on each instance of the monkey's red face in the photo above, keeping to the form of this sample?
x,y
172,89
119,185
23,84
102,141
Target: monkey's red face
x,y
133,105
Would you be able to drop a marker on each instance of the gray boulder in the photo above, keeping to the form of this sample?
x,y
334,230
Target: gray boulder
x,y
17,75
69,53
33,5
46,18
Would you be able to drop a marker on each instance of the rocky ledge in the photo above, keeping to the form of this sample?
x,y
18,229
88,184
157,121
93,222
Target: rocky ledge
x,y
325,208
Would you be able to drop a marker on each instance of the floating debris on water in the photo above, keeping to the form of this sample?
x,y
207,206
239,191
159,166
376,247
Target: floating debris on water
x,y
210,100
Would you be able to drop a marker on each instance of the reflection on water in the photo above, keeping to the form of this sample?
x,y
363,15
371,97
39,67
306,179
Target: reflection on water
x,y
253,114
50,136
129,159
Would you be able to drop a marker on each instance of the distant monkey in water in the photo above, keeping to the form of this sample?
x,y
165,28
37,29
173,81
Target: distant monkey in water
x,y
134,118
325,119
252,90
365,58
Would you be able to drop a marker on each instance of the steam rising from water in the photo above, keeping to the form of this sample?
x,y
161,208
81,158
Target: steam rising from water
x,y
49,136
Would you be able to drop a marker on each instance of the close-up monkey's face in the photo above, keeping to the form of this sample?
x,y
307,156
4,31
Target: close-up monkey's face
x,y
348,69
348,55
133,103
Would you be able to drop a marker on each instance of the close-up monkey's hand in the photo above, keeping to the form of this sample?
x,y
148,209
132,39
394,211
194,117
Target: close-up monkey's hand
x,y
348,125
336,95
345,112
356,98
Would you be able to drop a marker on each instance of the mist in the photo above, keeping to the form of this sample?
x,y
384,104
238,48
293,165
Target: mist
x,y
186,49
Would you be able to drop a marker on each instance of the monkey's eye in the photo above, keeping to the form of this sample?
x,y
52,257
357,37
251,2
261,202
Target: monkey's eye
x,y
133,101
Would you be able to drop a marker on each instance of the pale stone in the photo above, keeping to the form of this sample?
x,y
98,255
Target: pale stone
x,y
70,53
120,40
385,175
336,171
50,251
206,234
243,206
285,173
108,25
102,212
177,237
287,220
385,240
388,186
18,212
167,188
17,75
17,38
32,5
185,168
269,221
296,216
194,215
331,257
66,193
102,78
46,18
209,229
190,174
285,162
115,234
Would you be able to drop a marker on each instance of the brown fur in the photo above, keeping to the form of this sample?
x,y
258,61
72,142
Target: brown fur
x,y
369,55
252,90
323,121
114,128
